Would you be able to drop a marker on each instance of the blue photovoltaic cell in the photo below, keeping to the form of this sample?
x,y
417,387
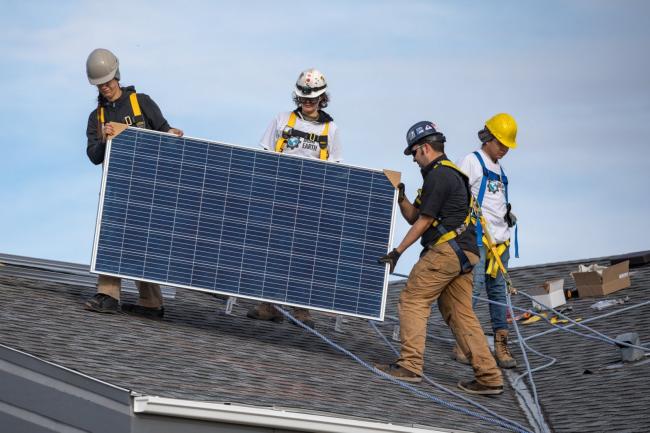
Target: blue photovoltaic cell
x,y
215,217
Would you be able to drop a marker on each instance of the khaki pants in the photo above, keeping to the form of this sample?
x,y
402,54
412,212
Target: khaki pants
x,y
436,276
150,295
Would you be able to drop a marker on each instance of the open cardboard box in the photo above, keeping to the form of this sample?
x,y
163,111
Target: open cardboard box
x,y
550,295
613,278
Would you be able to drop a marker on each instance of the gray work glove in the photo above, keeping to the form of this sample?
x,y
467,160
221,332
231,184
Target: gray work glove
x,y
390,258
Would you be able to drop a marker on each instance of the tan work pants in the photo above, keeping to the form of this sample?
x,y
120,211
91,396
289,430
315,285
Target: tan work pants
x,y
436,276
150,295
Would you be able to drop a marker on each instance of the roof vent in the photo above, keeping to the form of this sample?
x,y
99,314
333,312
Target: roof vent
x,y
630,354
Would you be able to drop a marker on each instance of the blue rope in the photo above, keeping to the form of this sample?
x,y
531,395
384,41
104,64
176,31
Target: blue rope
x,y
404,385
567,328
602,336
523,345
591,319
442,388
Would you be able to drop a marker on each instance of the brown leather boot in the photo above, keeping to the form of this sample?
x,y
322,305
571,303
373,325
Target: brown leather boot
x,y
265,311
501,352
303,315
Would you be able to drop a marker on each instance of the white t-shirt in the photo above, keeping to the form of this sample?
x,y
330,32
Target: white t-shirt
x,y
299,145
494,197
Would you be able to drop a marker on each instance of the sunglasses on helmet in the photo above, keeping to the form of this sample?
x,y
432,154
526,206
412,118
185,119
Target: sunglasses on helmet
x,y
307,90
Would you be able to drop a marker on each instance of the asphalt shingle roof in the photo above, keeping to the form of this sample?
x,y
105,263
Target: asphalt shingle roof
x,y
199,353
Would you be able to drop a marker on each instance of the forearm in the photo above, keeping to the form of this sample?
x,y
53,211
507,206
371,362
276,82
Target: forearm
x,y
409,212
96,151
421,224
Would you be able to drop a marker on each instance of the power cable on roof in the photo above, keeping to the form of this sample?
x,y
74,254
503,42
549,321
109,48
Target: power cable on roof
x,y
510,425
443,388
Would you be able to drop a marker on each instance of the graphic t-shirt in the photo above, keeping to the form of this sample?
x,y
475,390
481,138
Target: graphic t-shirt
x,y
300,145
494,197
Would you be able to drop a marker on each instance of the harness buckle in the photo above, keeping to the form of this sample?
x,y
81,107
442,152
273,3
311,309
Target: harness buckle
x,y
287,131
312,137
459,231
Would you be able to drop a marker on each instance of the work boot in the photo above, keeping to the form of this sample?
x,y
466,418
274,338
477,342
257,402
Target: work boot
x,y
399,372
265,311
139,310
102,303
473,387
302,315
458,356
501,352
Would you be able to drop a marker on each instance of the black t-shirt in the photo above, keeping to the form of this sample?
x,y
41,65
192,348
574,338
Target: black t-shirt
x,y
117,112
445,197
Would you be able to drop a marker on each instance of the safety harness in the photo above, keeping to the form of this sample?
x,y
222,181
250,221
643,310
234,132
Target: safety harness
x,y
489,175
138,118
289,132
447,235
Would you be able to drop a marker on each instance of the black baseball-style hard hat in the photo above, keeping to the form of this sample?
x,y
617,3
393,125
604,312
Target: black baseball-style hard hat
x,y
420,130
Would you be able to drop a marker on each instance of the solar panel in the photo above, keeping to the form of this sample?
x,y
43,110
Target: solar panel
x,y
249,223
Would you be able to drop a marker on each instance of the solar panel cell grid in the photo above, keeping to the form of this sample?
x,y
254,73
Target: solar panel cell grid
x,y
217,217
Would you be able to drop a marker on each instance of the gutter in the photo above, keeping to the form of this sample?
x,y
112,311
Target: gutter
x,y
270,418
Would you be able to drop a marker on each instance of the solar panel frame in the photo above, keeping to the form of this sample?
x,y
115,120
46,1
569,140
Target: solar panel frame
x,y
100,210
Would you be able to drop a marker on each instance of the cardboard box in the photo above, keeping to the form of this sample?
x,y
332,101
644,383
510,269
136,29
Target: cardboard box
x,y
613,278
550,295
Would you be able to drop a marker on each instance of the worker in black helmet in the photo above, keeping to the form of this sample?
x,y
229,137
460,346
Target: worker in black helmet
x,y
440,217
122,105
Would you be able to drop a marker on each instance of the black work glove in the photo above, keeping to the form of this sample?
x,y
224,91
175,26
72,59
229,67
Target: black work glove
x,y
390,258
401,195
510,218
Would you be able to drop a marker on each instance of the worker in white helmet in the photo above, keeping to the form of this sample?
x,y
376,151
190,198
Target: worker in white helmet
x,y
306,131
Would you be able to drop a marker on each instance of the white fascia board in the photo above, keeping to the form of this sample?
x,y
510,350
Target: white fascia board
x,y
272,418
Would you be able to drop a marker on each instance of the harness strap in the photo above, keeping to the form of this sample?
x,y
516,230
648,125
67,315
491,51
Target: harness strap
x,y
493,268
282,140
490,175
289,131
450,236
324,152
138,118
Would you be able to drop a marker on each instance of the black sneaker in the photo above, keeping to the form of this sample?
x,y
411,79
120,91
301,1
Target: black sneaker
x,y
102,303
139,310
399,372
473,387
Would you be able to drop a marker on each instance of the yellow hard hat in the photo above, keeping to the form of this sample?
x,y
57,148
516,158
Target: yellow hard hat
x,y
504,129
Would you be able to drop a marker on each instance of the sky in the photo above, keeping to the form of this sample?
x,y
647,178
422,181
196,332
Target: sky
x,y
574,74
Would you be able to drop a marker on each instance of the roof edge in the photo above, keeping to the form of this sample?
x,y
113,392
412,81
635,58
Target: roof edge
x,y
73,378
262,417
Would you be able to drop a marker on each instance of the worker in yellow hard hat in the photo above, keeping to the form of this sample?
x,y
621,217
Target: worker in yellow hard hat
x,y
490,188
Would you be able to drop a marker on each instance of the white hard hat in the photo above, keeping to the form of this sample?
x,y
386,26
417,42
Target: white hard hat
x,y
310,84
102,66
